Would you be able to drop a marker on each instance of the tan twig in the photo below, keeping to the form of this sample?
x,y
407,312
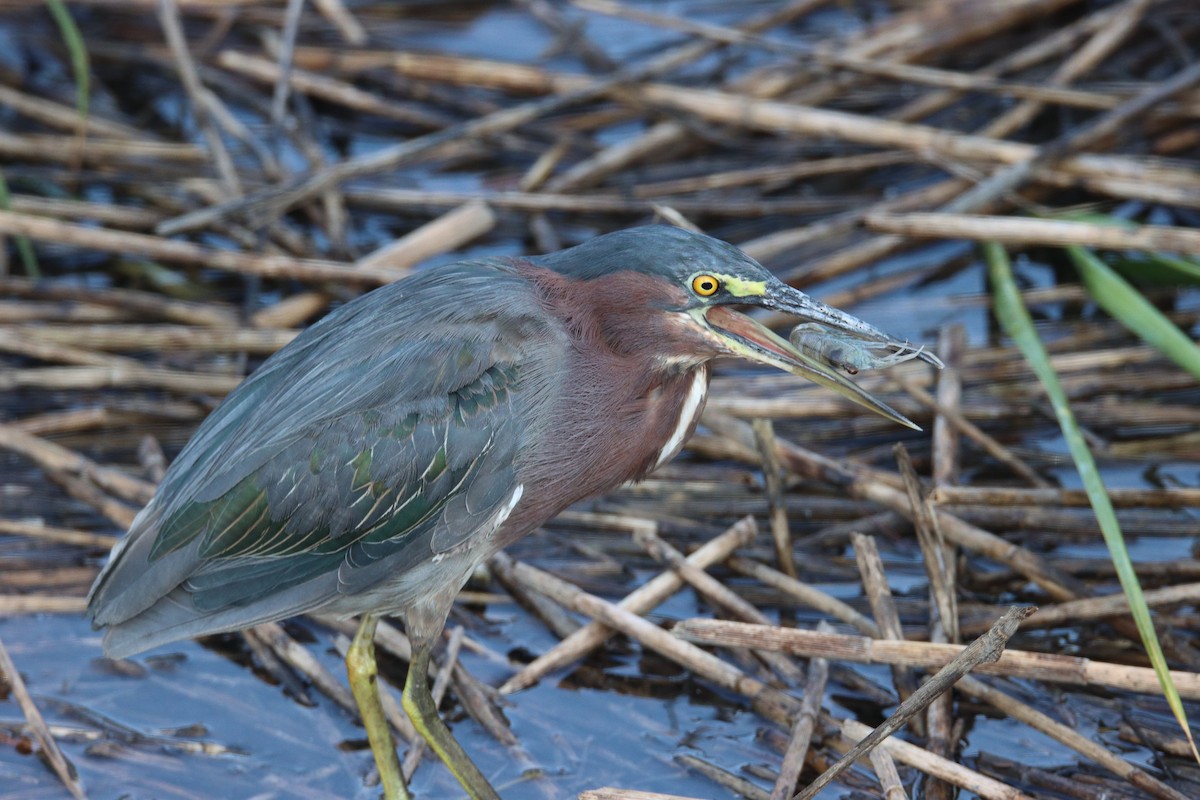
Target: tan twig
x,y
717,593
266,266
764,435
63,768
1015,663
987,648
168,17
1068,736
647,596
1028,231
949,771
802,728
883,606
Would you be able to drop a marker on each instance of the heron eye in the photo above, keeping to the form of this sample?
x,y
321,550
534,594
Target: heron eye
x,y
705,285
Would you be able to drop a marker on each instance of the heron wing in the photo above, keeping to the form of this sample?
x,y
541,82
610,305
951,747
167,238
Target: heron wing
x,y
380,438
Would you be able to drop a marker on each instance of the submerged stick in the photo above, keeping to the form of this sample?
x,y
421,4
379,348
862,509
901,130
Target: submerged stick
x,y
63,768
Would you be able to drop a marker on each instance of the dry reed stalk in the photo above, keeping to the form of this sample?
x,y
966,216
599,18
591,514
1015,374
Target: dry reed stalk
x,y
647,596
1075,612
947,457
942,738
665,136
18,605
803,593
444,234
764,435
118,377
895,70
889,777
58,115
87,492
939,767
59,579
341,18
778,118
208,314
12,312
266,266
267,205
1068,736
30,347
53,457
984,650
1009,178
1171,497
840,262
954,418
943,596
773,174
405,199
447,233
1119,23
871,485
802,729
551,614
330,90
883,608
157,338
736,785
106,213
1054,44
767,701
198,96
1025,231
718,594
46,533
98,152
860,649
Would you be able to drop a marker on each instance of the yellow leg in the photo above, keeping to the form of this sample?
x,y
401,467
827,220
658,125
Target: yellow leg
x,y
364,684
418,702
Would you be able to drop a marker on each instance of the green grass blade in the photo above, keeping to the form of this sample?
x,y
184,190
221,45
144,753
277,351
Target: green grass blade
x,y
24,246
79,55
1127,305
1154,268
1015,319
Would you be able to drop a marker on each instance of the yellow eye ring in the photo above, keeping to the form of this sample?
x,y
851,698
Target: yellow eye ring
x,y
705,285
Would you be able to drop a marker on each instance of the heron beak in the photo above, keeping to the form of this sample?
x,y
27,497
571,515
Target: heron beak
x,y
749,339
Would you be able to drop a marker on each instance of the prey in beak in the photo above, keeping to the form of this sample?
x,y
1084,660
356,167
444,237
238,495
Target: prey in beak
x,y
831,331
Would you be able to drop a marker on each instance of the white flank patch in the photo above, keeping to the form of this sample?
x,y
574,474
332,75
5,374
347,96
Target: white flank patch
x,y
503,513
687,415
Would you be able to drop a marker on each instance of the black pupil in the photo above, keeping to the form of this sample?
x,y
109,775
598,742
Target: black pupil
x,y
707,286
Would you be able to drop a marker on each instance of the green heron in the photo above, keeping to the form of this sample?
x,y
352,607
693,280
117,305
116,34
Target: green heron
x,y
371,464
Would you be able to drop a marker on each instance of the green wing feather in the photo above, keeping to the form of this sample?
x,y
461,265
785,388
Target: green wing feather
x,y
382,488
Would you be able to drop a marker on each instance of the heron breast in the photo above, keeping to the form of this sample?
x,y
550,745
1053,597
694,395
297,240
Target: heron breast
x,y
689,411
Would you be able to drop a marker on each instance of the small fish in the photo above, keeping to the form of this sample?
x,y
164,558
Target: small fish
x,y
851,354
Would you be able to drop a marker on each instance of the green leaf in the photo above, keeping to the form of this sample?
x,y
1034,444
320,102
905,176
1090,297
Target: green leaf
x,y
1015,319
24,246
1144,268
79,55
1155,269
1127,305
